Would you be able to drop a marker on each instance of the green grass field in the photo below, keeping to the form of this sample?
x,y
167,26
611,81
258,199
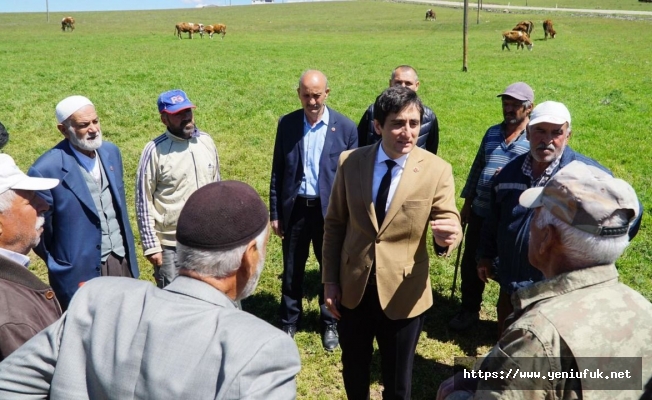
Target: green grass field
x,y
599,67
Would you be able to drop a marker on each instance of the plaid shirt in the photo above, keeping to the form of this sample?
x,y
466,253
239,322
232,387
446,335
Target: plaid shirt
x,y
545,177
492,155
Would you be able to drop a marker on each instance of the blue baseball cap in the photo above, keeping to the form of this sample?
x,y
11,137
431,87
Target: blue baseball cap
x,y
173,101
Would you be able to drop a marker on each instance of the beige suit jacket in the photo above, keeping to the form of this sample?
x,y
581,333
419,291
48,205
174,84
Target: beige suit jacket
x,y
353,240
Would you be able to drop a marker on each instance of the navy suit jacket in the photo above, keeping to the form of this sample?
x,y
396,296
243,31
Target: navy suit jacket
x,y
287,165
71,240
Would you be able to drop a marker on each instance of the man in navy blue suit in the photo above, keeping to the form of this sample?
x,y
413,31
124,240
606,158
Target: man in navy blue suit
x,y
87,231
308,146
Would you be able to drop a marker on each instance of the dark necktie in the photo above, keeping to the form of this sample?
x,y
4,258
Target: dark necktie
x,y
383,192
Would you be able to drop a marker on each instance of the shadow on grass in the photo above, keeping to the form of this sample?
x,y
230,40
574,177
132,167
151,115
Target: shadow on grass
x,y
427,374
264,304
483,333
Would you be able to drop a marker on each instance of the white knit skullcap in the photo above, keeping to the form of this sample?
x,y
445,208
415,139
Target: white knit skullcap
x,y
69,105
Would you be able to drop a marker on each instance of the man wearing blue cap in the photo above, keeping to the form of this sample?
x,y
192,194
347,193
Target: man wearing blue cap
x,y
171,168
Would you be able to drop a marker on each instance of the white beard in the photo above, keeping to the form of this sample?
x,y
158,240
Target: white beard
x,y
84,143
253,281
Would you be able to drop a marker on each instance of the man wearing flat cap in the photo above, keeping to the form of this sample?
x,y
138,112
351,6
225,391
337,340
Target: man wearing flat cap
x,y
125,338
27,305
579,318
501,143
171,168
87,231
505,231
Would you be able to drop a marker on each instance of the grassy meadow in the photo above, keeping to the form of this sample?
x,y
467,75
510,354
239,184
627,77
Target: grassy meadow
x,y
599,67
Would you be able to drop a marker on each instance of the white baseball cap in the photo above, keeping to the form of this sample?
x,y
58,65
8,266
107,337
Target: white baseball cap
x,y
11,177
550,111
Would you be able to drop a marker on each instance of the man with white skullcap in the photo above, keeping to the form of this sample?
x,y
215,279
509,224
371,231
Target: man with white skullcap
x,y
505,231
87,231
27,305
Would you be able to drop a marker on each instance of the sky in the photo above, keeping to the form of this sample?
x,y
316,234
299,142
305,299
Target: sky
x,y
107,5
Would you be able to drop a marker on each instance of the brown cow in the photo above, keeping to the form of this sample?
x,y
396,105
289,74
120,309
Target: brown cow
x,y
67,23
520,38
216,28
548,29
189,27
525,26
430,15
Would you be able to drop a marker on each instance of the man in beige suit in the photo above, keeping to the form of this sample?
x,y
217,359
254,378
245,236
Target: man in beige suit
x,y
385,200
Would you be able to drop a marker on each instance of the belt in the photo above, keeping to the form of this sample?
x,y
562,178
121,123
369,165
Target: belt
x,y
308,201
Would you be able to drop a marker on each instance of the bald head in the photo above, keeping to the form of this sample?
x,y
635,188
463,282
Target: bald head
x,y
313,75
406,76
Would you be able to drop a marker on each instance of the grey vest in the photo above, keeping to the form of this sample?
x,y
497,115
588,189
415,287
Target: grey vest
x,y
111,234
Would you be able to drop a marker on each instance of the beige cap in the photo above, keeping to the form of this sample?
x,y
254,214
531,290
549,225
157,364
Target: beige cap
x,y
584,197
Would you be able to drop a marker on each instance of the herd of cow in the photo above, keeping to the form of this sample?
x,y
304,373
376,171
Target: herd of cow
x,y
68,23
191,28
520,34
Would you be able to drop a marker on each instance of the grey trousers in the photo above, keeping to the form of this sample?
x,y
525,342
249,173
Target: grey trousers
x,y
168,270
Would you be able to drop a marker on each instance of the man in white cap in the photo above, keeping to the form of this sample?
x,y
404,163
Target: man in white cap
x,y
87,232
27,305
579,325
171,168
501,144
505,231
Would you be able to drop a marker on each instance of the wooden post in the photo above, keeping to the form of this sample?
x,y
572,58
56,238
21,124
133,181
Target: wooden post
x,y
466,39
478,20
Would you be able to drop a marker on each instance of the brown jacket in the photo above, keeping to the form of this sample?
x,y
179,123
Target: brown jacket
x,y
27,306
352,239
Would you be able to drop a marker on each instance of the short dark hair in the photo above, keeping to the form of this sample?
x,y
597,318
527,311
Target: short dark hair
x,y
4,136
393,100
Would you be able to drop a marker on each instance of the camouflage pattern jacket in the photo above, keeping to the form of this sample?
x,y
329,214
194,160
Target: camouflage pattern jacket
x,y
564,323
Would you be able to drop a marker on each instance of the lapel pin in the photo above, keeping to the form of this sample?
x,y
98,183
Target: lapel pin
x,y
416,169
333,129
111,167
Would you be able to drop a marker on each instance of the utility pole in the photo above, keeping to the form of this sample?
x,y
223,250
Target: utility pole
x,y
466,39
47,10
478,19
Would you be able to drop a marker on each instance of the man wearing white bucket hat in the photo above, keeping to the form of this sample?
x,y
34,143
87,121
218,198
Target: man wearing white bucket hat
x,y
505,232
27,305
87,232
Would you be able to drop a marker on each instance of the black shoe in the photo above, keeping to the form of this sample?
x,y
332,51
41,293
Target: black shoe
x,y
290,330
463,320
329,338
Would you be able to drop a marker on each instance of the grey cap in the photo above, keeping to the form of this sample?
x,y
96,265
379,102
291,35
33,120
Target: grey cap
x,y
520,91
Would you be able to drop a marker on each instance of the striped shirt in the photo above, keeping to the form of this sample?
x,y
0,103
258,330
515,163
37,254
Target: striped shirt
x,y
493,154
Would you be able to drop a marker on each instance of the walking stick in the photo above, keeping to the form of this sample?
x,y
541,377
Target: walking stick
x,y
457,264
